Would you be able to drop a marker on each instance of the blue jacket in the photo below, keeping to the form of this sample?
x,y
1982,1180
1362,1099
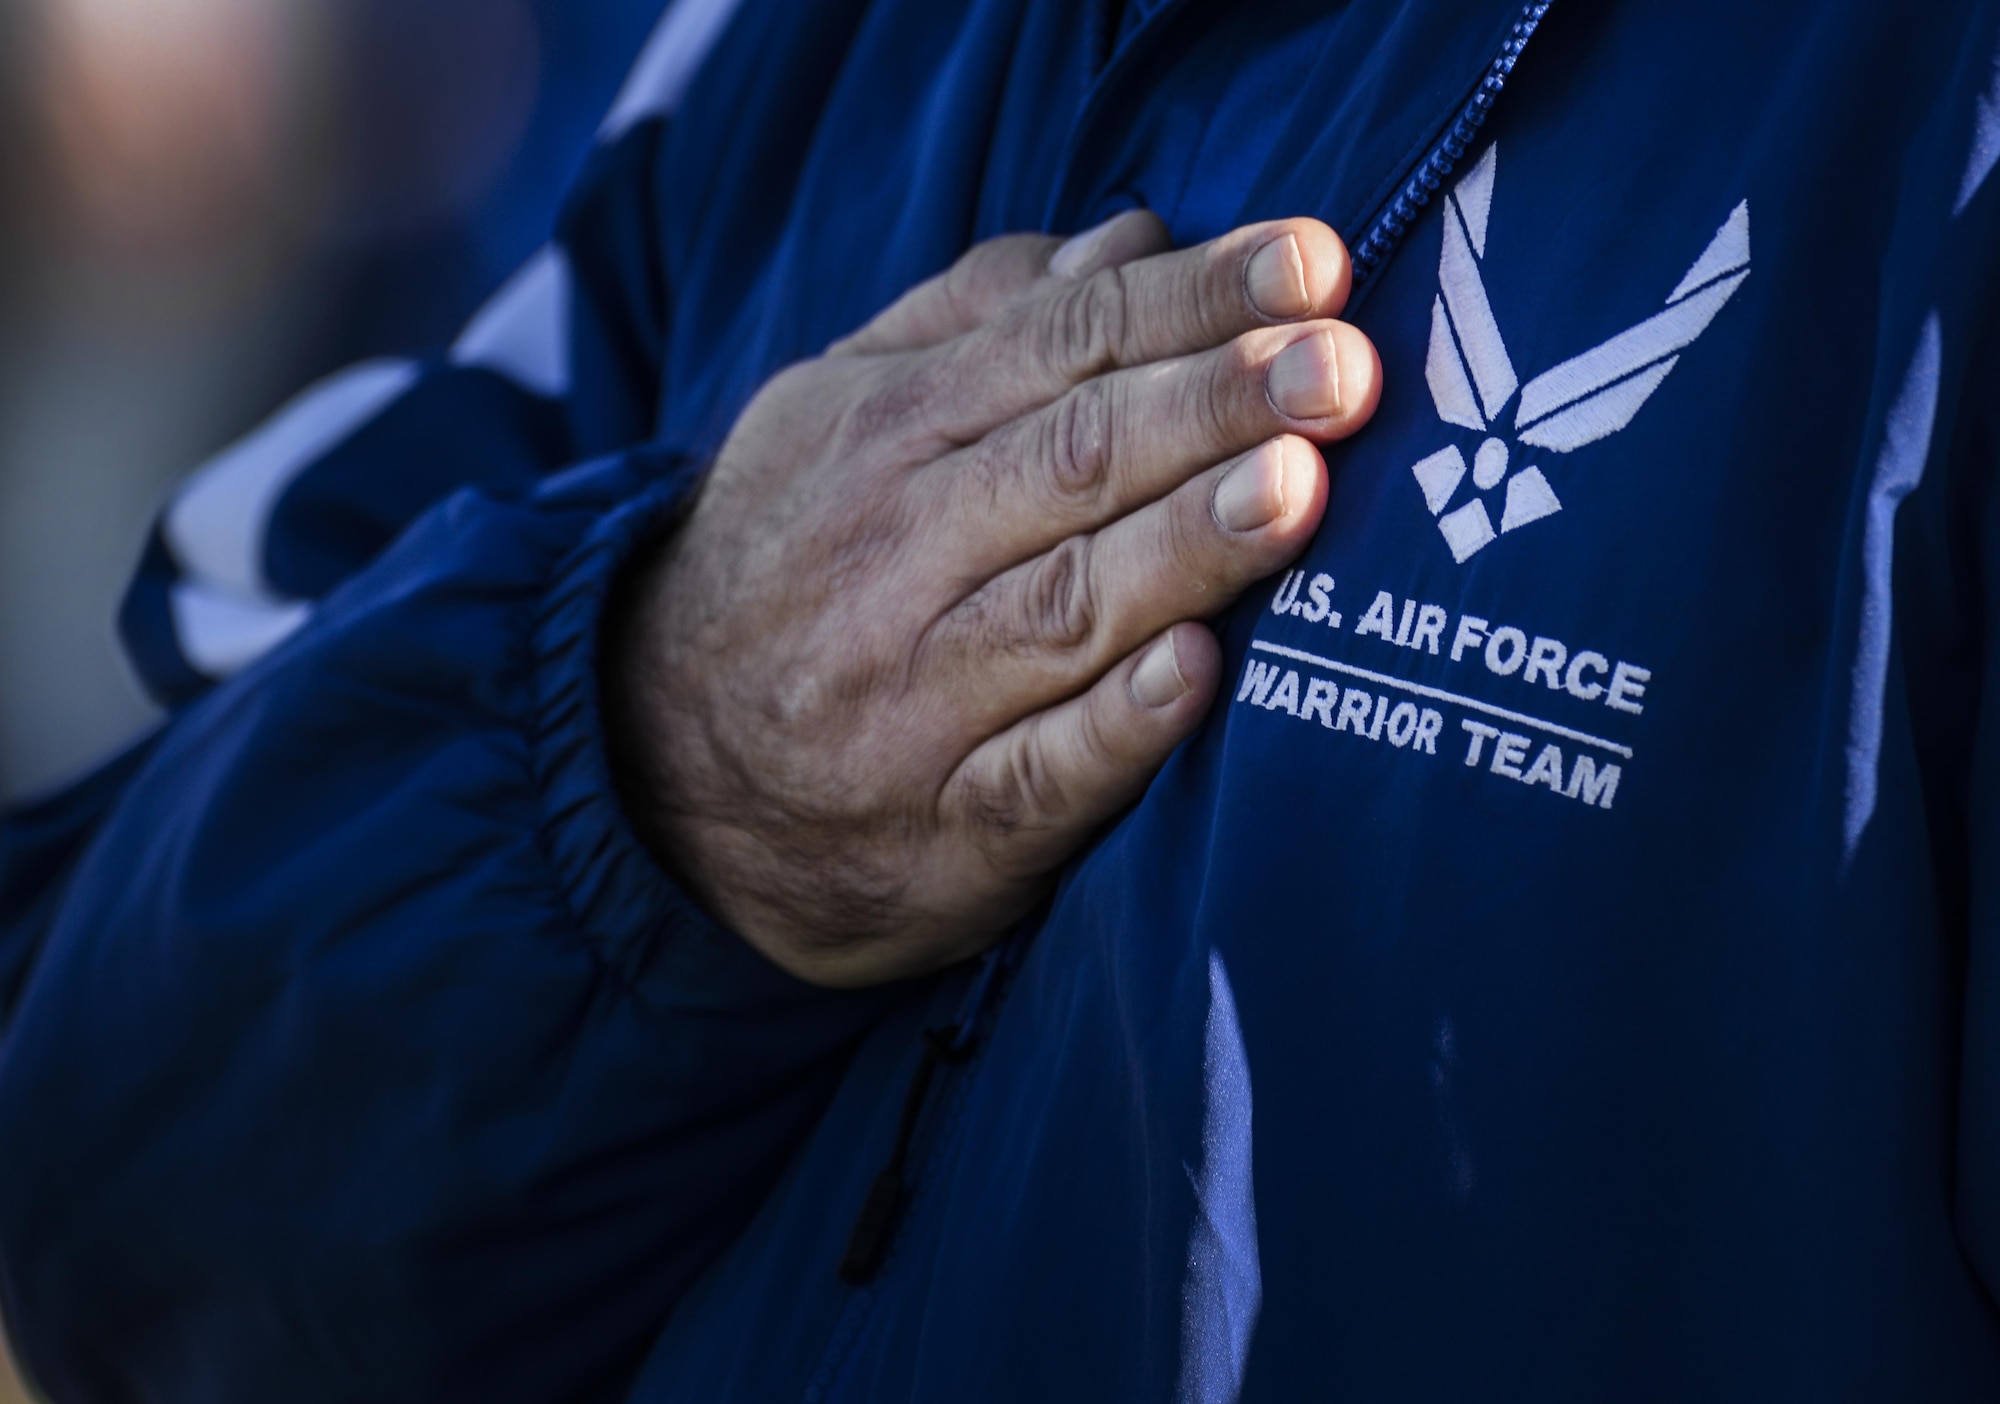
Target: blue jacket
x,y
1565,967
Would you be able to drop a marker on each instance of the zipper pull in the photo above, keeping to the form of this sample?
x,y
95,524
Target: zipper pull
x,y
875,1226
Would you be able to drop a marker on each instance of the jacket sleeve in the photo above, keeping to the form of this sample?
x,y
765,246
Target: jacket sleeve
x,y
351,1047
562,365
367,1055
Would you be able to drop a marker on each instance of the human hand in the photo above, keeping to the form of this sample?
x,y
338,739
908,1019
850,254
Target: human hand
x,y
929,623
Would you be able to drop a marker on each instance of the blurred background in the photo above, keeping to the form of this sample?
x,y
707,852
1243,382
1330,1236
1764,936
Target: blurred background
x,y
204,205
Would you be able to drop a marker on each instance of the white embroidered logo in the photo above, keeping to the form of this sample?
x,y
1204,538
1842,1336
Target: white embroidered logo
x,y
1585,399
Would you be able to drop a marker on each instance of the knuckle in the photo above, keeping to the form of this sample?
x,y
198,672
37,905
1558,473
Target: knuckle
x,y
962,283
890,409
1114,310
1078,447
1060,603
1020,793
992,274
1048,606
1089,327
990,803
808,402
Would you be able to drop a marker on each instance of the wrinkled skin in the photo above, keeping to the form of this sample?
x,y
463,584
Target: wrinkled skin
x,y
933,618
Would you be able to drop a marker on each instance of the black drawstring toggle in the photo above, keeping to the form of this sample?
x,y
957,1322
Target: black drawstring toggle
x,y
875,1225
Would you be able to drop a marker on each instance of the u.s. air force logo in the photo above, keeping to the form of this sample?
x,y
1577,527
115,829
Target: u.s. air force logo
x,y
1537,709
1581,401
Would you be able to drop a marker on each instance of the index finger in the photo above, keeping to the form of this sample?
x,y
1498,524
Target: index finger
x,y
994,275
1154,309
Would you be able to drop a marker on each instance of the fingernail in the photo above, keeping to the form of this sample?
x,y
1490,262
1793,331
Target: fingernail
x,y
1304,380
1079,255
1252,494
1157,680
1275,279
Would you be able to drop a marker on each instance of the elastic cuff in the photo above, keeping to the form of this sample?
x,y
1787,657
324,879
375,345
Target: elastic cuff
x,y
631,912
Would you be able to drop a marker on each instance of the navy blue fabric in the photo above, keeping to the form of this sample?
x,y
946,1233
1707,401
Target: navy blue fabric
x,y
39,844
407,261
146,628
494,1084
1562,968
457,425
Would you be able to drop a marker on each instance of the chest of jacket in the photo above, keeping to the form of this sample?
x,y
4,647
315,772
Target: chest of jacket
x,y
1515,853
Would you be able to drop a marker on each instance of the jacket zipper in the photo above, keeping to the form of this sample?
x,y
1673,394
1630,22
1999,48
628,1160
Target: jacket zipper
x,y
896,1190
885,1209
947,1047
1387,232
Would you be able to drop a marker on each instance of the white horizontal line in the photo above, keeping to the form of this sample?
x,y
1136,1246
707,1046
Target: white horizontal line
x,y
1439,695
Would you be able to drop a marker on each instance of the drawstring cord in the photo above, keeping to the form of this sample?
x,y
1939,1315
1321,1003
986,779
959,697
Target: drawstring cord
x,y
951,1046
